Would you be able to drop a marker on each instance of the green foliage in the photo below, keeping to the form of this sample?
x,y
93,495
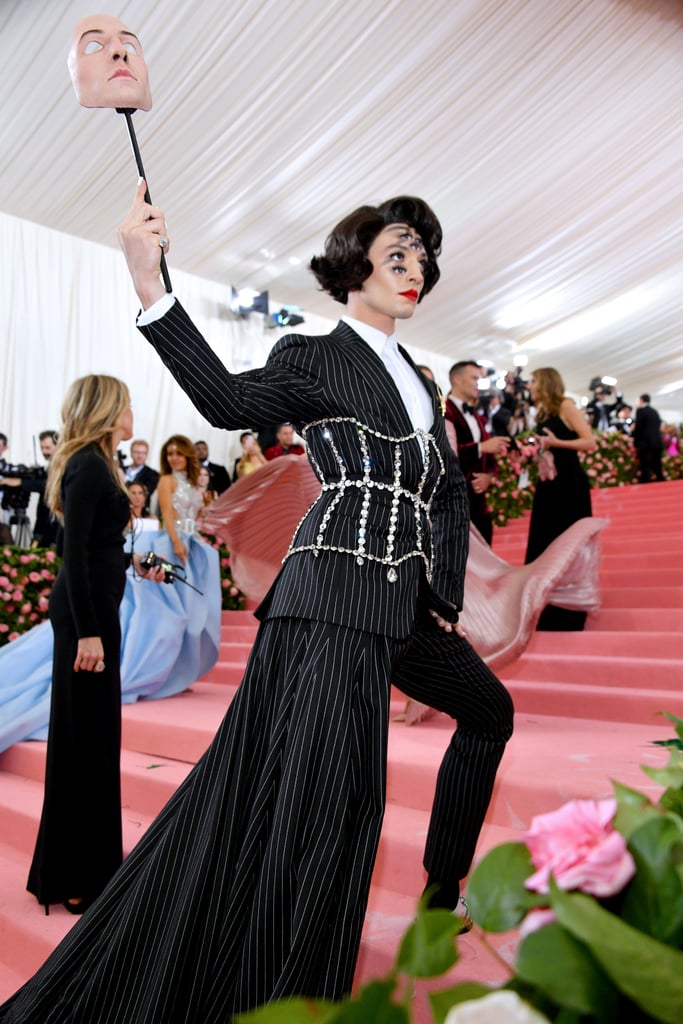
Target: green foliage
x,y
579,984
496,895
427,949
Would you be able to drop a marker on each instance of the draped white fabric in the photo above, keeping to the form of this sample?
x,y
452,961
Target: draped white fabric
x,y
547,135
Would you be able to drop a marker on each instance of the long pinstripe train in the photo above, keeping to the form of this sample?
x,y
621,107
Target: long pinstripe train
x,y
252,882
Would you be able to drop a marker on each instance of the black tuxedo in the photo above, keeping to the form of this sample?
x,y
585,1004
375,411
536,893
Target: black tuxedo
x,y
252,883
472,462
220,481
647,437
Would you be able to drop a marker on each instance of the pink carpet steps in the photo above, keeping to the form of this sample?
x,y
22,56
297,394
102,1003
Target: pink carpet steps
x,y
586,705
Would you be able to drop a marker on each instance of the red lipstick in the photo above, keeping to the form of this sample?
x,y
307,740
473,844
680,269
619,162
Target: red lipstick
x,y
411,294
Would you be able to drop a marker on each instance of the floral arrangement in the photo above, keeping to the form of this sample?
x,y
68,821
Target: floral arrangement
x,y
613,464
232,598
26,579
597,888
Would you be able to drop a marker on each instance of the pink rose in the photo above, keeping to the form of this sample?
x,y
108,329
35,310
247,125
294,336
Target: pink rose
x,y
25,559
4,582
50,556
34,577
4,628
42,604
14,636
25,608
580,848
17,595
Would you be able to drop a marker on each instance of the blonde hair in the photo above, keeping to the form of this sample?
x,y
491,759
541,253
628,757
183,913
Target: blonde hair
x,y
550,394
90,410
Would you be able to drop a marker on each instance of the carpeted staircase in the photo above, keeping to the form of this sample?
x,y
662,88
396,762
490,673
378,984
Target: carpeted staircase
x,y
586,713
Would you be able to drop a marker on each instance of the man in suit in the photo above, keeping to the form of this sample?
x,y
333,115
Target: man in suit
x,y
139,472
253,882
647,437
498,415
469,435
220,481
285,443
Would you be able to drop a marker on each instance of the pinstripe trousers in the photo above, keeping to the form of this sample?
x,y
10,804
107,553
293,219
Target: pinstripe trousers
x,y
253,881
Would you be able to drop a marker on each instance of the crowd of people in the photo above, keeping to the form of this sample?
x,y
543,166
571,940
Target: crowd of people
x,y
38,527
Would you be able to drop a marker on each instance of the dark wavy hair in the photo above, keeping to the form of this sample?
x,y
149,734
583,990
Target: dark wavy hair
x,y
344,265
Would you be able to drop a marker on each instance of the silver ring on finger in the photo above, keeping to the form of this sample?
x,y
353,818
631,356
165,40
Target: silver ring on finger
x,y
99,667
163,241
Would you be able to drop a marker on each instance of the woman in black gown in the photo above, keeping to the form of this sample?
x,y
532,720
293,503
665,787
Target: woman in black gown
x,y
563,497
252,883
79,844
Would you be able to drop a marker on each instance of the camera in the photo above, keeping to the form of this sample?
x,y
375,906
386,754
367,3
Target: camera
x,y
17,498
151,560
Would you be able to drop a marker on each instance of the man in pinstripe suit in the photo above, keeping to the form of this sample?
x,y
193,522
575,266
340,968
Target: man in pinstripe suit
x,y
252,883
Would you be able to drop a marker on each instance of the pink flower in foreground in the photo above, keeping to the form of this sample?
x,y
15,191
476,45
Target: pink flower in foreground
x,y
579,847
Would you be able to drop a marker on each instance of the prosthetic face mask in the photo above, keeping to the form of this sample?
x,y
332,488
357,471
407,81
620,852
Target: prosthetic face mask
x,y
107,66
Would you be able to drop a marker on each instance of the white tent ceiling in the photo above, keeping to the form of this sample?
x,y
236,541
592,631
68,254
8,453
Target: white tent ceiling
x,y
546,134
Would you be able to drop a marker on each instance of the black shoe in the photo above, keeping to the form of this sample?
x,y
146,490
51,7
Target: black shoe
x,y
77,906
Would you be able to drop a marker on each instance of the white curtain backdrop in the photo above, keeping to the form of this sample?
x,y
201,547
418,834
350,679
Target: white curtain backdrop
x,y
67,308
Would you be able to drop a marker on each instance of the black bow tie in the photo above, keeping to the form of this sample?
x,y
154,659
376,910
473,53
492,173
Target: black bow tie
x,y
469,408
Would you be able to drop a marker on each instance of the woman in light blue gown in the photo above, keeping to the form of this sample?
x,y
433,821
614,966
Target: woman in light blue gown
x,y
170,638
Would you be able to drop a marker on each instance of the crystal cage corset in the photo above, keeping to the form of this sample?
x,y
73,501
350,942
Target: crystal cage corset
x,y
376,494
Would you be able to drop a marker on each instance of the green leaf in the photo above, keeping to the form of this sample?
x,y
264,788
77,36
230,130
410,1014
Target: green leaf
x,y
677,722
633,809
443,1001
495,893
372,1005
654,899
672,801
647,971
672,775
428,948
563,968
291,1011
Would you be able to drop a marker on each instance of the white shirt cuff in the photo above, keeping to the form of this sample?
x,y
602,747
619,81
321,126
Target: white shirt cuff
x,y
156,310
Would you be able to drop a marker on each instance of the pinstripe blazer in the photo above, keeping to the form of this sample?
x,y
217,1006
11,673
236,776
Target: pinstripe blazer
x,y
374,546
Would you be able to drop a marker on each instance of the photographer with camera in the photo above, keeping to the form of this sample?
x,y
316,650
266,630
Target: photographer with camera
x,y
18,483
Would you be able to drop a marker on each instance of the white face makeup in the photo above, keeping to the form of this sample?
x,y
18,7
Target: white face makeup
x,y
107,66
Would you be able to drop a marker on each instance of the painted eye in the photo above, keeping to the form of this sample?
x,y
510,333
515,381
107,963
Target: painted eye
x,y
131,48
92,46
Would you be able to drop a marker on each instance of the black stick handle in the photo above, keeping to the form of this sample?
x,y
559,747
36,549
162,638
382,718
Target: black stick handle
x,y
128,114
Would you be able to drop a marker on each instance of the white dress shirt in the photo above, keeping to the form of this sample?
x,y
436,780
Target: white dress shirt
x,y
414,393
